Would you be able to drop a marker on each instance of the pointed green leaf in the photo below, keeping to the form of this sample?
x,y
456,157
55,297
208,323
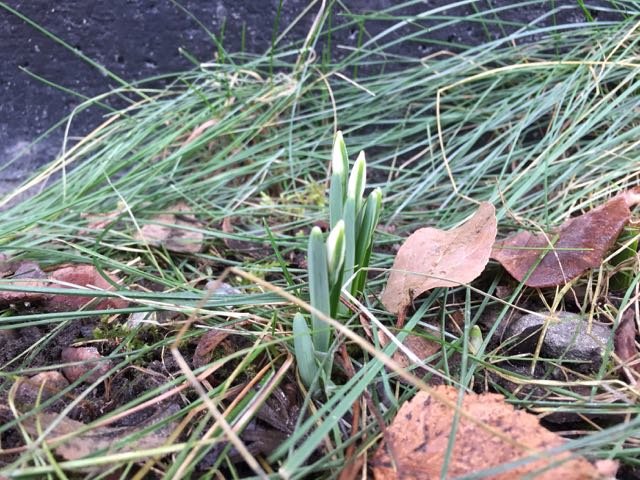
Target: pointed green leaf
x,y
335,256
335,251
336,199
349,238
319,288
372,209
303,349
357,180
340,159
364,244
475,339
336,290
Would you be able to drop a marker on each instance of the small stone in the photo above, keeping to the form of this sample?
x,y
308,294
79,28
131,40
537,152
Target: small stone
x,y
84,359
567,337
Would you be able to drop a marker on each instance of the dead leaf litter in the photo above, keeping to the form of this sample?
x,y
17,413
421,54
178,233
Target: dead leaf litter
x,y
431,258
555,258
415,444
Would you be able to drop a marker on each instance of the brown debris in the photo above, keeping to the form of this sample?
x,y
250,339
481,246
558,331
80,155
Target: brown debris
x,y
415,444
101,438
212,339
243,247
581,244
206,345
625,342
29,275
432,258
174,231
100,221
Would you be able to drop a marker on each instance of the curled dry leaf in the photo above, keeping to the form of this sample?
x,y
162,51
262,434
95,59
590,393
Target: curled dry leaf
x,y
176,232
221,288
625,341
209,341
107,438
200,129
206,345
578,245
432,258
278,418
421,347
416,443
42,386
75,276
91,360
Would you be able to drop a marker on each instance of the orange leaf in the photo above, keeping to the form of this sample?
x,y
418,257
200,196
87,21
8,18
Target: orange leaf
x,y
416,443
432,258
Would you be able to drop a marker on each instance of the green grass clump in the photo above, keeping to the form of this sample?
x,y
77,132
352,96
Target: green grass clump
x,y
542,122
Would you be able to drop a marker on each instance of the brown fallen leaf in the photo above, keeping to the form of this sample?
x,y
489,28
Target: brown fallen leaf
x,y
625,341
415,444
244,247
206,345
81,445
420,346
174,231
75,276
42,386
100,221
580,244
91,360
432,258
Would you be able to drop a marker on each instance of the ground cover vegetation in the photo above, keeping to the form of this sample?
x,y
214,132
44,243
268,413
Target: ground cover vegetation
x,y
198,289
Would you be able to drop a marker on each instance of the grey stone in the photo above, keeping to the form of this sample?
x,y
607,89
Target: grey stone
x,y
568,337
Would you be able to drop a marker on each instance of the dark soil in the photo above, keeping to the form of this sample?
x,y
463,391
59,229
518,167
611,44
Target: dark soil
x,y
121,388
275,420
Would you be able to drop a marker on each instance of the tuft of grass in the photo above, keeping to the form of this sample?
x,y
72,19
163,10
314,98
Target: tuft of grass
x,y
540,128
